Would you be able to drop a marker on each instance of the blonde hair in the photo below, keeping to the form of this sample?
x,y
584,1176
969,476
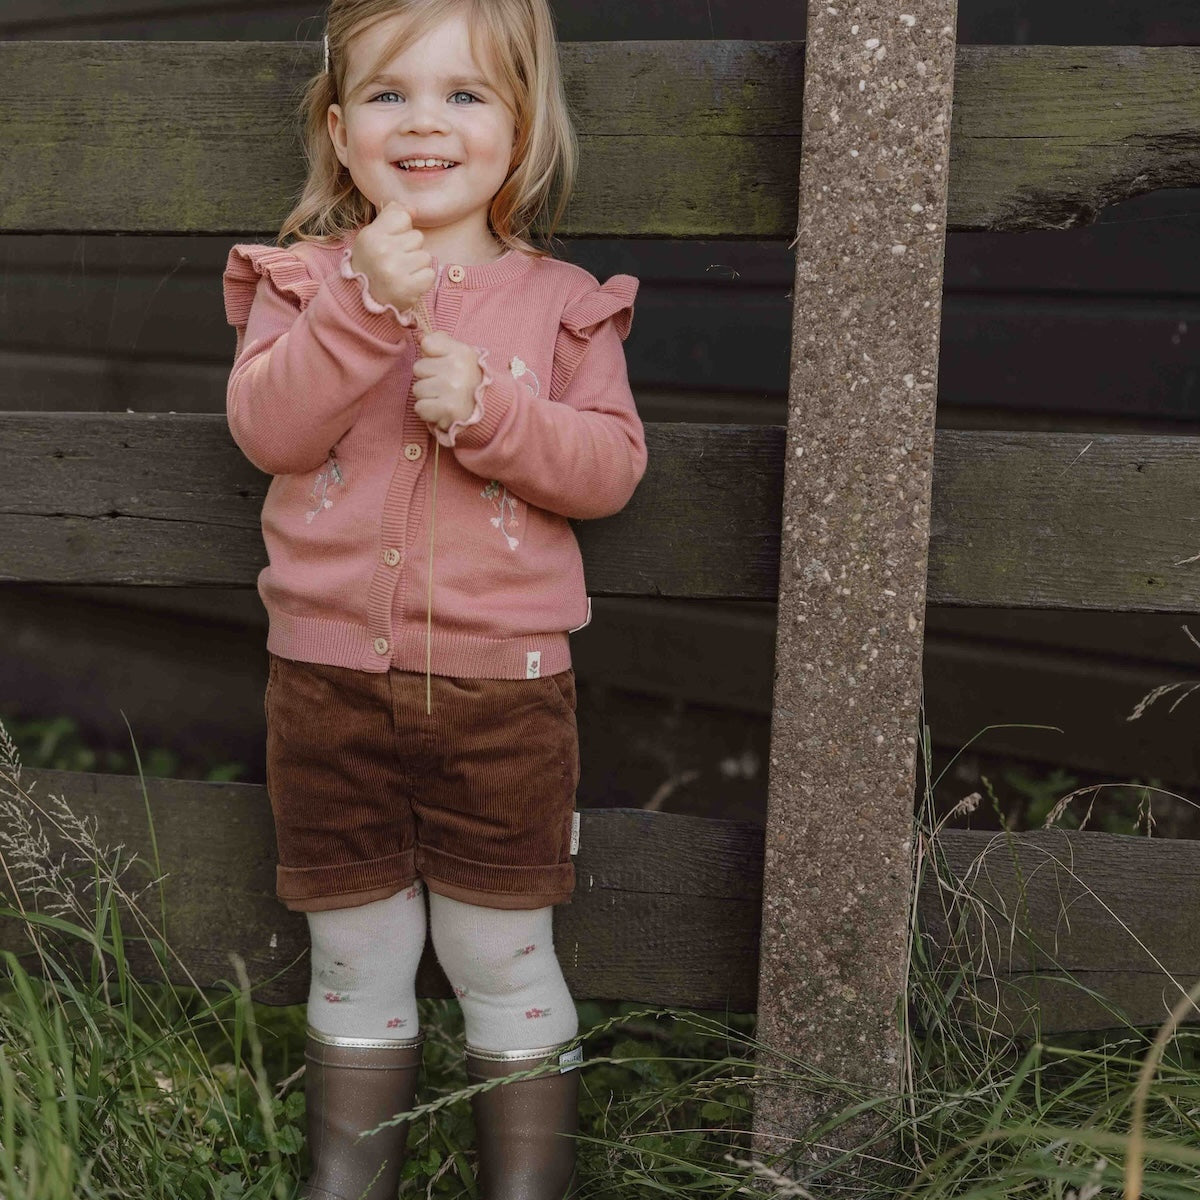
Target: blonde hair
x,y
518,36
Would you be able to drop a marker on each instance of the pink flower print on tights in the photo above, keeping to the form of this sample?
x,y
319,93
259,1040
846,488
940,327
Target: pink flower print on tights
x,y
336,997
459,992
524,950
532,1014
396,1022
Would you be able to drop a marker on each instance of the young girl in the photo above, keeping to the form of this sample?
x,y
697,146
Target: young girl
x,y
435,397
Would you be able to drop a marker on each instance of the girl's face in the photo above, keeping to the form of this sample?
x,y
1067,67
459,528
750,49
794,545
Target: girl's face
x,y
432,101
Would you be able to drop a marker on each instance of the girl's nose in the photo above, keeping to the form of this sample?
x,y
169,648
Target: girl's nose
x,y
425,115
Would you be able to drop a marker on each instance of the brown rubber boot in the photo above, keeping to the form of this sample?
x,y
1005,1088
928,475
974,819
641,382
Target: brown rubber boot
x,y
522,1129
351,1085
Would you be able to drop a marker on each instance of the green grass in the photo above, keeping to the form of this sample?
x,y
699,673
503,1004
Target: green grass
x,y
116,1088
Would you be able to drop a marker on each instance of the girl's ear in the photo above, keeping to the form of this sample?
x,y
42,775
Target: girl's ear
x,y
337,132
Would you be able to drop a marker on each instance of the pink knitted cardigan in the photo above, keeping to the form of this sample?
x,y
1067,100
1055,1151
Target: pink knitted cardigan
x,y
319,397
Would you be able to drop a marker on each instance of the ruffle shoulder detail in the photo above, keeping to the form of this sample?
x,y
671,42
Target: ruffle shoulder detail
x,y
248,263
612,300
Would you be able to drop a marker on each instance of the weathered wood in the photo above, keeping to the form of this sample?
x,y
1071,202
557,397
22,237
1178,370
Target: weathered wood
x,y
1115,912
165,137
1021,353
687,337
170,499
31,11
1020,519
673,921
858,477
666,907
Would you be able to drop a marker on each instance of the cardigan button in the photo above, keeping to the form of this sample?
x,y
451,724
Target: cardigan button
x,y
391,556
413,451
381,645
455,274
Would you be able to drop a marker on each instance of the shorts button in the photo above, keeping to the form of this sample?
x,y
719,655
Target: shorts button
x,y
456,274
391,556
412,451
381,645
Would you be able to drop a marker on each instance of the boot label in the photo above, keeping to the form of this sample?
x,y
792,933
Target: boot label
x,y
571,1059
575,833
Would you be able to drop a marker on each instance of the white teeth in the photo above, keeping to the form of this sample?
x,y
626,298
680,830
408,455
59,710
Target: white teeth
x,y
425,162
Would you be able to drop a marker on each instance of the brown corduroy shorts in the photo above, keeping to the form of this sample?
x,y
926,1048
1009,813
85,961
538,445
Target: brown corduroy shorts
x,y
369,793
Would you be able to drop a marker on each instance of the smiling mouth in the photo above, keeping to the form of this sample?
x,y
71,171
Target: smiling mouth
x,y
425,164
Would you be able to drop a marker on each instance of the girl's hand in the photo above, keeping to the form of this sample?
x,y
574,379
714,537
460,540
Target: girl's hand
x,y
447,377
389,253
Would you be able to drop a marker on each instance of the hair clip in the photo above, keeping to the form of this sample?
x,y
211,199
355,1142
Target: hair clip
x,y
327,53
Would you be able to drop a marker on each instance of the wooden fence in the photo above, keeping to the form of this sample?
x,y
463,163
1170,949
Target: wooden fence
x,y
680,140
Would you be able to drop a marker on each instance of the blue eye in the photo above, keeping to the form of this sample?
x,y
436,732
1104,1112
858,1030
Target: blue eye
x,y
383,94
470,97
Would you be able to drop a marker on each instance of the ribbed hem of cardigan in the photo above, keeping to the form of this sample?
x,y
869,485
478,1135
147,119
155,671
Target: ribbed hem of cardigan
x,y
463,656
320,889
495,886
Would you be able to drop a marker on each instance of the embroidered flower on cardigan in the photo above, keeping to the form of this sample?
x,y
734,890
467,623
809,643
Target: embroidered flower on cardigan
x,y
330,475
506,505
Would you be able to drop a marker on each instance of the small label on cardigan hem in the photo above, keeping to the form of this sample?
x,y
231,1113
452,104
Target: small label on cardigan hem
x,y
533,664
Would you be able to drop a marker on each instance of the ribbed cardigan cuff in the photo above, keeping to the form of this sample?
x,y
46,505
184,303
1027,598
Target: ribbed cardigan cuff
x,y
385,326
498,397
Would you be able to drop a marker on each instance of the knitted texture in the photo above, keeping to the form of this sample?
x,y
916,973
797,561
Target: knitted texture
x,y
364,967
320,397
504,970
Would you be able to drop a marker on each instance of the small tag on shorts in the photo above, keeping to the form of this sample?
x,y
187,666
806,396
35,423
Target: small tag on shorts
x,y
533,664
570,1060
574,833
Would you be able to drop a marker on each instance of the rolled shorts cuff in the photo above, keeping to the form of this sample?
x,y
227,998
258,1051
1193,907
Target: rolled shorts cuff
x,y
493,886
320,889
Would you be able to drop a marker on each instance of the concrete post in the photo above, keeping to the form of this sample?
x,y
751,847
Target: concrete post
x,y
878,88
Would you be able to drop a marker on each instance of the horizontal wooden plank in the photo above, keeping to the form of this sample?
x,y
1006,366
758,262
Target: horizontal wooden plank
x,y
687,336
1023,352
1020,519
666,908
1114,912
1043,520
1083,700
286,20
178,130
163,137
21,12
1149,22
642,895
136,509
675,696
